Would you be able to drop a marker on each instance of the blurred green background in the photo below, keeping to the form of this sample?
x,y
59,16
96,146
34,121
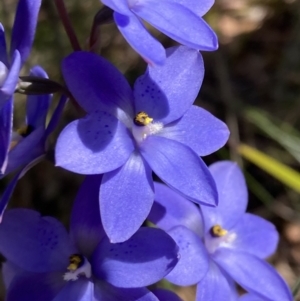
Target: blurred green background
x,y
252,83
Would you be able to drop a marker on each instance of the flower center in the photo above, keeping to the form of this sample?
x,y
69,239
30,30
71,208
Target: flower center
x,y
3,73
218,231
144,126
142,119
79,265
218,237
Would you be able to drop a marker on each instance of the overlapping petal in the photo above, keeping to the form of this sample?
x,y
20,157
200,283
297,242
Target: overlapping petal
x,y
6,119
81,290
96,84
170,209
249,297
255,236
26,150
105,291
140,39
126,197
98,143
10,83
179,167
24,27
198,129
37,105
35,287
193,263
166,15
34,243
139,261
214,286
253,274
166,92
3,49
233,196
86,228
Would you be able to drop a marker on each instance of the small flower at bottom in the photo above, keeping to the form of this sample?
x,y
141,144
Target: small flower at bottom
x,y
221,245
45,263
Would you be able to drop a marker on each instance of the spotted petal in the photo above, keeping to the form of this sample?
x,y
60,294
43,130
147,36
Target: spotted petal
x,y
98,143
166,92
43,240
137,262
193,263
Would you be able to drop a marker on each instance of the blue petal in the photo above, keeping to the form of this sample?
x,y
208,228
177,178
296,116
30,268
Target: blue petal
x,y
180,168
9,86
253,274
27,150
123,210
35,287
11,186
255,235
98,143
170,209
214,286
56,115
9,272
199,130
79,290
165,93
37,105
3,50
24,27
251,297
193,263
233,196
43,240
6,119
140,39
167,15
85,226
107,292
147,257
96,84
165,295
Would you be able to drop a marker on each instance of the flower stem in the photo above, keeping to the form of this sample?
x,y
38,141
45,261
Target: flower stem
x,y
61,8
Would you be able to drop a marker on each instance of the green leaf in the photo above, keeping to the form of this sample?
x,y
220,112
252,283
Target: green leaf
x,y
278,170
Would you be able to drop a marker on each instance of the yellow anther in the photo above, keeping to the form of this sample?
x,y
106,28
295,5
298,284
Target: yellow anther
x,y
76,261
142,119
218,231
22,131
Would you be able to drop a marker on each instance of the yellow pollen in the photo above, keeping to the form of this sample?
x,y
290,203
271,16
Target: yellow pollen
x,y
218,231
142,119
22,131
75,262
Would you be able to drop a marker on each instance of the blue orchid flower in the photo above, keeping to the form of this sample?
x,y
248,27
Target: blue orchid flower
x,y
223,244
128,134
46,263
179,19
